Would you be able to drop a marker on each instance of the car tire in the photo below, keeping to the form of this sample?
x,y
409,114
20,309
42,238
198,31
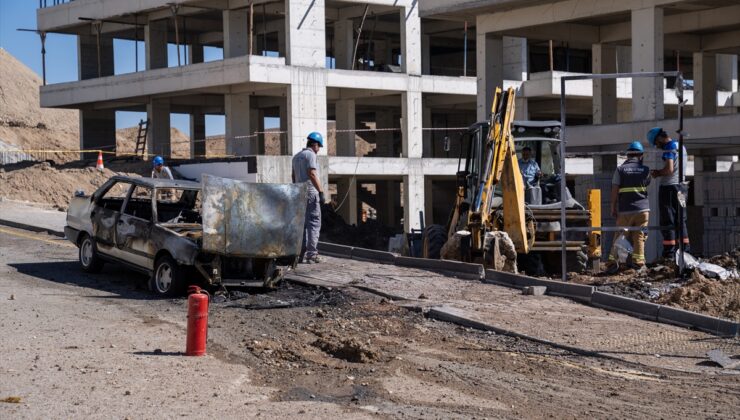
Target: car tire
x,y
167,278
90,261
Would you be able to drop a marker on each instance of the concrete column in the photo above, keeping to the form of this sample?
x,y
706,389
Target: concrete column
x,y
282,52
705,84
647,56
384,140
411,39
413,195
195,52
155,40
382,52
413,142
306,105
197,134
238,124
344,43
521,108
345,114
489,59
306,41
515,58
428,202
285,142
727,72
624,58
604,105
87,57
97,131
426,54
158,112
388,197
236,33
605,164
349,210
427,135
257,122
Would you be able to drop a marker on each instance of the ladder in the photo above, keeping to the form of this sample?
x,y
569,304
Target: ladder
x,y
141,138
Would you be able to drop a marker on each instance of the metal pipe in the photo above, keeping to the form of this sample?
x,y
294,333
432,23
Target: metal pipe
x,y
251,27
465,50
681,208
98,25
42,35
359,33
563,230
552,63
173,8
136,41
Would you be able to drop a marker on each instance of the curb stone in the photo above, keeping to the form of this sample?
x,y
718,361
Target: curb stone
x,y
706,323
456,268
638,308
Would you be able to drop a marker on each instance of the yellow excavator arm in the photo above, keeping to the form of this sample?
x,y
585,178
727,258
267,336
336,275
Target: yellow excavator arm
x,y
501,167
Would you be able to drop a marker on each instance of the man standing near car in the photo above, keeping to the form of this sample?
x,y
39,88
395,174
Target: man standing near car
x,y
306,170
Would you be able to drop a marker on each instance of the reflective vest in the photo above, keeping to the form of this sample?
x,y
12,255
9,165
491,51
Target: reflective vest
x,y
634,178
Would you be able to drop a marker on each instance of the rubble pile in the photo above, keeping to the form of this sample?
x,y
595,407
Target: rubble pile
x,y
370,234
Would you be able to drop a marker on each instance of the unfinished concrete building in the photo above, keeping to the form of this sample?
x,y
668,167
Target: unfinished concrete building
x,y
397,77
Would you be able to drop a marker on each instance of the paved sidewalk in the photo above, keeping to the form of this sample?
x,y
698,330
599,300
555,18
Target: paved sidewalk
x,y
32,218
559,321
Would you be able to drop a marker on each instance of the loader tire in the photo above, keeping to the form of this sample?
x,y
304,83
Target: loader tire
x,y
435,237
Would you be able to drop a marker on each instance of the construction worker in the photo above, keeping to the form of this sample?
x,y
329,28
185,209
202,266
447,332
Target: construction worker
x,y
670,186
161,171
529,168
306,169
630,205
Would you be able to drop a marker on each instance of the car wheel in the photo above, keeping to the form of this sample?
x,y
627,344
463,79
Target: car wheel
x,y
167,277
89,259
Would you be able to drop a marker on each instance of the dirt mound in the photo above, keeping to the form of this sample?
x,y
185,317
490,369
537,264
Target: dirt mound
x,y
45,183
714,297
349,349
370,234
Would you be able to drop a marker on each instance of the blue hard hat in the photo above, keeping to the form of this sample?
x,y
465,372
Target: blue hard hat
x,y
317,137
635,146
158,160
653,134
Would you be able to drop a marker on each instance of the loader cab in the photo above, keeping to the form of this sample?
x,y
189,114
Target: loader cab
x,y
540,136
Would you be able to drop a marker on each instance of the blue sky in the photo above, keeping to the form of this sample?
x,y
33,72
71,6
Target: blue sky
x,y
61,62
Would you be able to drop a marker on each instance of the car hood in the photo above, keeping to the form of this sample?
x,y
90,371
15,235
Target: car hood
x,y
252,220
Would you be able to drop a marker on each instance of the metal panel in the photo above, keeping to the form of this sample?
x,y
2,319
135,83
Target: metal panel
x,y
252,220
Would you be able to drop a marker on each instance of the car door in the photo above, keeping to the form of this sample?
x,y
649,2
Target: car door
x,y
105,214
134,228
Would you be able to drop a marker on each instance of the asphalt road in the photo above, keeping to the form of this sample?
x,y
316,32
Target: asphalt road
x,y
76,345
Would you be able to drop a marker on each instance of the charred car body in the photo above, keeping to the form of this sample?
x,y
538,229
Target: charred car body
x,y
220,231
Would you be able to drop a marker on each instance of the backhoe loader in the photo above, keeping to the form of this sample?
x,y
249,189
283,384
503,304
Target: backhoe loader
x,y
492,198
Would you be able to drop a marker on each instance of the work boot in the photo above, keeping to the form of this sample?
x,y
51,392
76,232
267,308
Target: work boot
x,y
313,259
612,268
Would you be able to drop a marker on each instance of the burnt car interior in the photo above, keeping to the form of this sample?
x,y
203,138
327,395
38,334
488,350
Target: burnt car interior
x,y
178,206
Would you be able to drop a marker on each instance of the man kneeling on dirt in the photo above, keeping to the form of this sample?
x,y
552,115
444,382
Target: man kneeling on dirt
x,y
630,205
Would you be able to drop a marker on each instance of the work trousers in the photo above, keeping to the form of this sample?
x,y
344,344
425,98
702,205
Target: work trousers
x,y
312,226
636,237
668,197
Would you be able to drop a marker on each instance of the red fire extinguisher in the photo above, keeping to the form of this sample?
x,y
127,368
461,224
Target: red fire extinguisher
x,y
197,322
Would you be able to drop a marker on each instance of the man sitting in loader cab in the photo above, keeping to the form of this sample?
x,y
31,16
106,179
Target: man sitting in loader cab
x,y
529,168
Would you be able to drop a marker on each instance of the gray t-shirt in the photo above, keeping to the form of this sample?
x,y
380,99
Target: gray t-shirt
x,y
670,151
165,173
303,161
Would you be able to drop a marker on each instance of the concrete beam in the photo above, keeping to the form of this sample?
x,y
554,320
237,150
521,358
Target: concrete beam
x,y
413,195
557,12
701,20
197,133
388,168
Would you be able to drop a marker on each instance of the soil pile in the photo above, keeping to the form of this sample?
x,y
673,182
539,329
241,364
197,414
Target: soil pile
x,y
661,284
45,183
23,123
370,234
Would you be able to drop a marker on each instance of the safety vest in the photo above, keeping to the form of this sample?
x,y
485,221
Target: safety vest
x,y
634,178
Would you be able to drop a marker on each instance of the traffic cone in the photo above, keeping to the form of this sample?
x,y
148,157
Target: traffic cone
x,y
99,165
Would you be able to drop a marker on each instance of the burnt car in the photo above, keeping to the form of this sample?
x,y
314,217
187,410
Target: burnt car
x,y
216,232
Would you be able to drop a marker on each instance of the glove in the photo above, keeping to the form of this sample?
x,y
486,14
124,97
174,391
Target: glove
x,y
321,197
